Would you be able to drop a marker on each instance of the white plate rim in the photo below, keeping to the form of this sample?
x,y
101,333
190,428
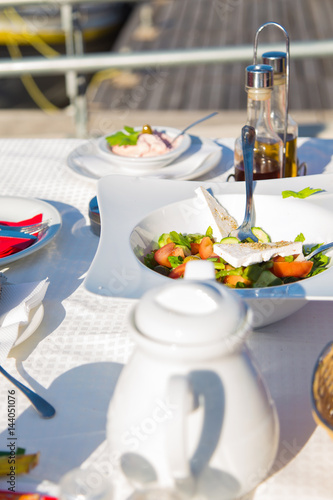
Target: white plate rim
x,y
49,212
74,162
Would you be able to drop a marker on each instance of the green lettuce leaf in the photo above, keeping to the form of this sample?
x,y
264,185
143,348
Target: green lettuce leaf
x,y
304,193
122,139
209,232
149,260
175,261
180,239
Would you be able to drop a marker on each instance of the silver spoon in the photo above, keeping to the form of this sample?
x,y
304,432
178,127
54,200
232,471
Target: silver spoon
x,y
322,248
244,230
192,125
44,408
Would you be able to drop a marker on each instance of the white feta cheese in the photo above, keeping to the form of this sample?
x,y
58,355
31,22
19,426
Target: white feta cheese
x,y
245,254
221,222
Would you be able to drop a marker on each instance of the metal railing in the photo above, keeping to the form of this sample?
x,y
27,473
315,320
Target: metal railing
x,y
89,63
75,62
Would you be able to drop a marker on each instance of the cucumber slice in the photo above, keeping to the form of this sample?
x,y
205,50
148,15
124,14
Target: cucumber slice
x,y
261,235
230,240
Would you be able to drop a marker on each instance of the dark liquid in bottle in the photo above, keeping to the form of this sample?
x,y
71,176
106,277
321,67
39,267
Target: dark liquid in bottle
x,y
265,168
265,163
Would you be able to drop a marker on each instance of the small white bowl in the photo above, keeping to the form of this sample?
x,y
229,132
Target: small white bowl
x,y
146,164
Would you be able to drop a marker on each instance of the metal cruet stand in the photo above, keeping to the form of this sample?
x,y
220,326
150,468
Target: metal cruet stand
x,y
272,23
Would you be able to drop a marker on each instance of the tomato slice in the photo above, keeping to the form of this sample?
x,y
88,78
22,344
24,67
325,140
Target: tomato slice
x,y
296,269
195,248
177,252
278,258
232,280
205,248
161,255
177,272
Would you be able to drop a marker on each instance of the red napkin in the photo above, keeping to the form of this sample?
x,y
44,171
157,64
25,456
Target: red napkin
x,y
10,245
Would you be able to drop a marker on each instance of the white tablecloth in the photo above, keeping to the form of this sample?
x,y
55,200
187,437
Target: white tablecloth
x,y
75,356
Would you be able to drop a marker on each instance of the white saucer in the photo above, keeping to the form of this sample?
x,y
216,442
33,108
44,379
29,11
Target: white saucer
x,y
86,160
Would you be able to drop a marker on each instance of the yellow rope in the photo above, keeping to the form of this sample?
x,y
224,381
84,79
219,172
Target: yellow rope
x,y
44,49
13,48
33,39
34,91
29,83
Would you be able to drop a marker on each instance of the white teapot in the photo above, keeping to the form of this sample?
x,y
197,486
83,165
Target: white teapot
x,y
191,411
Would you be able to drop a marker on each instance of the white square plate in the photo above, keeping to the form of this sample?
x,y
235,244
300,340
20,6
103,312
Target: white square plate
x,y
126,204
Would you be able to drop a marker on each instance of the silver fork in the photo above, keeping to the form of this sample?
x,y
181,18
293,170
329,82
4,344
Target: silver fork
x,y
28,229
322,248
244,231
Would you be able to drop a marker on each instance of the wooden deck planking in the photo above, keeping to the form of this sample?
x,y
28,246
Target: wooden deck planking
x,y
324,24
177,88
172,38
157,96
202,23
196,93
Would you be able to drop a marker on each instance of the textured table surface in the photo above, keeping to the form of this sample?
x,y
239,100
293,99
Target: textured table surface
x,y
74,357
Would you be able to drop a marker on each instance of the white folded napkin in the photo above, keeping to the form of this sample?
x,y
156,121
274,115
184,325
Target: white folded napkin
x,y
16,302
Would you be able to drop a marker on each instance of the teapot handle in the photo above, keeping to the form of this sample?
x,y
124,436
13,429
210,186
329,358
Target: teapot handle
x,y
185,394
182,401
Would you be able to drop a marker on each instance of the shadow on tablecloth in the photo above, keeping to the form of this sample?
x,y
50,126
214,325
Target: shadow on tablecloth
x,y
64,261
81,397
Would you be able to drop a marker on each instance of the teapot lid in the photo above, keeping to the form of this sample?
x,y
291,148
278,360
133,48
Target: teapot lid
x,y
190,312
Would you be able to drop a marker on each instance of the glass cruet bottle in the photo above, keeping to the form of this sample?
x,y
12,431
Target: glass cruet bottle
x,y
268,148
278,110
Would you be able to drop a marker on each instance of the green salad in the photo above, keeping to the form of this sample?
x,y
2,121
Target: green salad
x,y
174,250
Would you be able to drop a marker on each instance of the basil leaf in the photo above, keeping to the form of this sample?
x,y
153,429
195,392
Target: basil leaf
x,y
122,139
130,130
300,237
114,139
133,139
304,193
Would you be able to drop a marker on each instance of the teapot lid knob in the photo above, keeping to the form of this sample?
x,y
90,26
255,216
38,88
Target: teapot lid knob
x,y
191,311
